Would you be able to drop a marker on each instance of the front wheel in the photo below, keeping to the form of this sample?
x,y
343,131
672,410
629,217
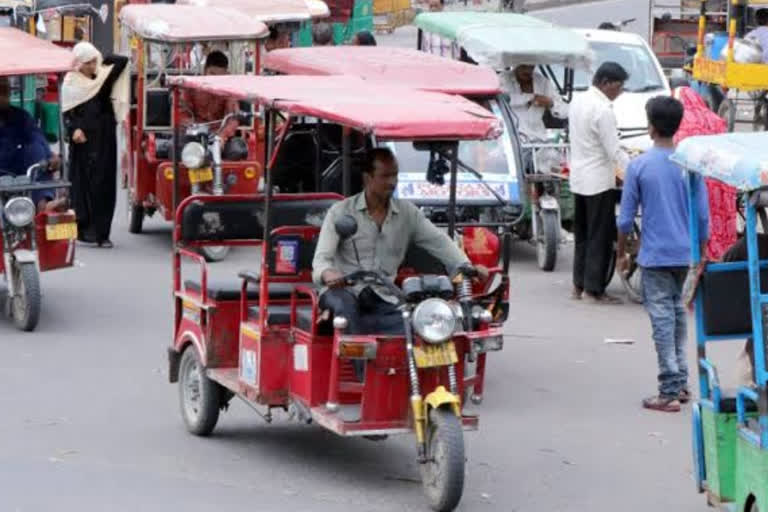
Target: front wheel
x,y
213,253
442,475
135,217
27,299
546,240
199,396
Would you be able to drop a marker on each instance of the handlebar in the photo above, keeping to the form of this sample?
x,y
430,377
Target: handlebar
x,y
242,117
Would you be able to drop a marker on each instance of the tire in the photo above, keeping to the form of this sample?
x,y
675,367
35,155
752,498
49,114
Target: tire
x,y
135,218
213,253
727,111
443,474
546,241
632,280
611,269
26,304
199,396
713,97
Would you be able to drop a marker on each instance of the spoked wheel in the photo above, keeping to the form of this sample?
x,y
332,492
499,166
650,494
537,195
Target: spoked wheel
x,y
213,253
443,474
26,303
135,216
727,111
632,280
610,269
546,240
199,396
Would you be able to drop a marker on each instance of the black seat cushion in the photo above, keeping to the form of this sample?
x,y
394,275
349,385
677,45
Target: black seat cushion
x,y
726,301
229,289
281,315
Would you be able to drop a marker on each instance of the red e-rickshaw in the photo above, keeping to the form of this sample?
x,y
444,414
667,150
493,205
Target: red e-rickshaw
x,y
172,40
31,241
262,337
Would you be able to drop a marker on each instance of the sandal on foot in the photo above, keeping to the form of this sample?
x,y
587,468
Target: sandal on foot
x,y
663,404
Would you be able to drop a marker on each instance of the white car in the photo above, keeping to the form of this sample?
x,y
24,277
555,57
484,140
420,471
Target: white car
x,y
646,80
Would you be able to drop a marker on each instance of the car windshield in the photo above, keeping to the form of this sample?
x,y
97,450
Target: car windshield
x,y
491,158
635,58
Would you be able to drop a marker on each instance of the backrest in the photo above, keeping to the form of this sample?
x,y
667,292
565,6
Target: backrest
x,y
158,108
726,301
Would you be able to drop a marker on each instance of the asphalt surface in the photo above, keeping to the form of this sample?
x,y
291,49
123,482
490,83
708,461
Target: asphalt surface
x,y
90,423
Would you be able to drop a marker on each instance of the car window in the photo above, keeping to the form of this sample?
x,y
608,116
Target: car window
x,y
635,58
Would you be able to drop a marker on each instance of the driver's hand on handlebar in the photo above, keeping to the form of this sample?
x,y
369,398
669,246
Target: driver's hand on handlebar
x,y
332,278
78,137
542,101
54,162
482,273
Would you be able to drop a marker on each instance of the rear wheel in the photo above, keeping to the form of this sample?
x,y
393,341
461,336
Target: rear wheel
x,y
443,474
199,396
213,253
135,216
546,240
632,280
27,300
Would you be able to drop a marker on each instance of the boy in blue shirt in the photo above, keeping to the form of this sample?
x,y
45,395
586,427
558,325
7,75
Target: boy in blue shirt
x,y
659,187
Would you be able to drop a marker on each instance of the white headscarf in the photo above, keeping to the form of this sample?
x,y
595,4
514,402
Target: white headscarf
x,y
78,88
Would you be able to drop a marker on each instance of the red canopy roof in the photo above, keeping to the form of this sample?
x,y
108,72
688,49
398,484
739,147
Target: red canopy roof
x,y
268,11
23,54
180,23
387,111
393,65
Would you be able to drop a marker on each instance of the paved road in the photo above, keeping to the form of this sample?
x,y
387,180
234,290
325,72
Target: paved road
x,y
89,422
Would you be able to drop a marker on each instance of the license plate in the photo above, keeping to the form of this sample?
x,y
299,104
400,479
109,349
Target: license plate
x,y
66,231
428,356
200,175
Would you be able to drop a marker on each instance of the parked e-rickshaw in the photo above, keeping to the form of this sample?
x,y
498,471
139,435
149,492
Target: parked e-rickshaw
x,y
171,40
503,41
730,429
729,70
262,337
286,16
31,241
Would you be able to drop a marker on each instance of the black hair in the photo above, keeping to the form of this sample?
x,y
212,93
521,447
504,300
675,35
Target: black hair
x,y
377,155
322,34
610,72
365,38
273,33
216,59
761,17
607,25
665,114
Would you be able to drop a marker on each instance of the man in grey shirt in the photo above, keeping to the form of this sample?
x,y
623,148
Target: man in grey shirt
x,y
386,227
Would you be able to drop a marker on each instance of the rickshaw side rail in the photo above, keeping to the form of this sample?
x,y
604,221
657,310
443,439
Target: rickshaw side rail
x,y
184,253
335,423
312,295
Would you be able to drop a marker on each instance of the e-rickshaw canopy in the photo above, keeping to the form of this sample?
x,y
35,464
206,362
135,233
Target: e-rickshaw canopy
x,y
736,159
24,54
388,65
186,23
276,11
387,112
506,40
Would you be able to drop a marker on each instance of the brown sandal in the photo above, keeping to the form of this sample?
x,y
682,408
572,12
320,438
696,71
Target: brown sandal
x,y
660,403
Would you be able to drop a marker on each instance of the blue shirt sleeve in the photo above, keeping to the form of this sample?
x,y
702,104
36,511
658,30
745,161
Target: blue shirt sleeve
x,y
39,147
630,196
703,207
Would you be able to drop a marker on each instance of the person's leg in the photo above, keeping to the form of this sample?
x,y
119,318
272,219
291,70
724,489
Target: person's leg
x,y
681,335
342,302
658,294
105,203
385,318
601,229
580,242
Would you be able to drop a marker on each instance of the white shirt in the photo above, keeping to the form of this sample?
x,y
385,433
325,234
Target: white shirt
x,y
596,151
529,116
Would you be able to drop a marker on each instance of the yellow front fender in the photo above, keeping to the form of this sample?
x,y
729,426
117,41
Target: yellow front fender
x,y
440,397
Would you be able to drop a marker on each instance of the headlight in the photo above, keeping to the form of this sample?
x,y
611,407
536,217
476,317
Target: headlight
x,y
20,211
434,320
193,155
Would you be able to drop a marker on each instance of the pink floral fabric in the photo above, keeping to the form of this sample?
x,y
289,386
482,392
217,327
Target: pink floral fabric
x,y
699,120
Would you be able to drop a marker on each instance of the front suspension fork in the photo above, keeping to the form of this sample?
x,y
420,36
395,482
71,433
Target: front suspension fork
x,y
417,402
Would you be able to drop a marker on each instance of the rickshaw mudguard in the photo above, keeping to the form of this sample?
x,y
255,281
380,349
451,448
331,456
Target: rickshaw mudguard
x,y
439,398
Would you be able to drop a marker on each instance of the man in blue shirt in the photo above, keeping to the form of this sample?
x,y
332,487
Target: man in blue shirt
x,y
659,187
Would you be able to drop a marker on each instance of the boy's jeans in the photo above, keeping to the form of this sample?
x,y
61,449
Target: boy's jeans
x,y
662,296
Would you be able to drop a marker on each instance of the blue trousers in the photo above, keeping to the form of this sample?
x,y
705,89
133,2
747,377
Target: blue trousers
x,y
662,296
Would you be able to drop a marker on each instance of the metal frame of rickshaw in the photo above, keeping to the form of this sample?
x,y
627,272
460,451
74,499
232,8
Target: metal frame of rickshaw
x,y
750,78
730,430
318,387
55,232
149,180
543,189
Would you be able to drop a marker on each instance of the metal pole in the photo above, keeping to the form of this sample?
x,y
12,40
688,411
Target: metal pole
x,y
63,149
176,148
346,163
452,191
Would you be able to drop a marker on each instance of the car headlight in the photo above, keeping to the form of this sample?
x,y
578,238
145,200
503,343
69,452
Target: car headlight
x,y
434,320
193,155
20,211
